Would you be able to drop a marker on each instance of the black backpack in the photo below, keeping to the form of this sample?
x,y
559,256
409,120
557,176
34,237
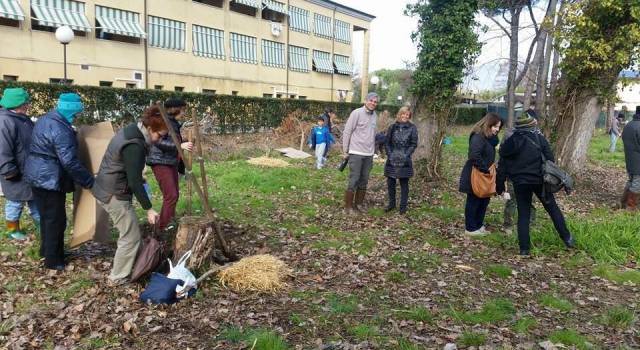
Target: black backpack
x,y
554,178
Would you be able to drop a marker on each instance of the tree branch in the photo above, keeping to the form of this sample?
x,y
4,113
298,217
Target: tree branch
x,y
533,18
505,18
527,61
501,26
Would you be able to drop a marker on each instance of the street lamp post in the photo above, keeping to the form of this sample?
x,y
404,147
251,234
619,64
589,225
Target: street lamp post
x,y
64,35
375,81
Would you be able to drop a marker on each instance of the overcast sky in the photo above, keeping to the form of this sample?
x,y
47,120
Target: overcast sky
x,y
391,43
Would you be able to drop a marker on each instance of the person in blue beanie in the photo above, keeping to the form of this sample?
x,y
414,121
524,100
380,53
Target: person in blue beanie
x,y
52,169
319,140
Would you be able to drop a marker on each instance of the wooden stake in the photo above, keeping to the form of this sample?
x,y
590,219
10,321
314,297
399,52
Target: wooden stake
x,y
189,161
203,174
205,205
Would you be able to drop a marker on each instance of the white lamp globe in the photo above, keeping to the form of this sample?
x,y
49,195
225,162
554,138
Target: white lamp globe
x,y
375,80
64,34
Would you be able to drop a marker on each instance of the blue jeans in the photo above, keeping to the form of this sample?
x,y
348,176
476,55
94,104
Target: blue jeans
x,y
614,139
13,210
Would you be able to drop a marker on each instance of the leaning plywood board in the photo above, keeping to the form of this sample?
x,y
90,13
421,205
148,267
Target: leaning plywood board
x,y
90,221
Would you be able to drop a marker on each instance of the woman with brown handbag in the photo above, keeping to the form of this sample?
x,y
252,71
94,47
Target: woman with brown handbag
x,y
478,177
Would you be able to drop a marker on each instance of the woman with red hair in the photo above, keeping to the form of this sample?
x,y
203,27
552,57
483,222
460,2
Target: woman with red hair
x,y
120,178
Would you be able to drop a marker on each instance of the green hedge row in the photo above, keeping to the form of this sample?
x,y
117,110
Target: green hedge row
x,y
469,115
230,114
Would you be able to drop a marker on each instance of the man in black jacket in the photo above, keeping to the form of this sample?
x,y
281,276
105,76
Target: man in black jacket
x,y
631,140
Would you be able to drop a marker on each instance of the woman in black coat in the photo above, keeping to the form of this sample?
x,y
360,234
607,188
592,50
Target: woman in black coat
x,y
521,161
400,143
482,154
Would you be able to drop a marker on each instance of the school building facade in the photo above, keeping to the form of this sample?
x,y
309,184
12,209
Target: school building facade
x,y
294,48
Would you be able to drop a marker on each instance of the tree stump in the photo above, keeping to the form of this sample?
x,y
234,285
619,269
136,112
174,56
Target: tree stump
x,y
196,234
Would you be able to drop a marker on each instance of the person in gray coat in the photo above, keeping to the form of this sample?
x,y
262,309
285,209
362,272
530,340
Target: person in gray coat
x,y
631,141
15,137
401,142
615,131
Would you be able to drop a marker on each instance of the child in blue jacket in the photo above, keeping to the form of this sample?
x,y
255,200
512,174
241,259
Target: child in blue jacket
x,y
319,140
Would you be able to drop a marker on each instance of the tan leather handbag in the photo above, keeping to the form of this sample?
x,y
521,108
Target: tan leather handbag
x,y
483,185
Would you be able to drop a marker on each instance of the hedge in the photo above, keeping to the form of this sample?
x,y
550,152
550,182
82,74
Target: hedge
x,y
230,113
469,115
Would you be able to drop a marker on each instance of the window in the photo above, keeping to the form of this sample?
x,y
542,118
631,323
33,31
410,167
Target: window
x,y
167,34
158,87
272,53
278,95
216,3
137,76
298,59
274,11
299,19
11,13
267,95
247,7
322,62
208,42
51,14
208,92
292,95
243,48
85,67
342,64
59,81
300,97
342,32
234,93
106,83
322,26
131,85
10,77
118,25
178,88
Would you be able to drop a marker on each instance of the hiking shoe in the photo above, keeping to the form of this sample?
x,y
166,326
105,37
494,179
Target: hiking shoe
x,y
389,208
57,267
476,233
570,243
524,253
18,236
116,283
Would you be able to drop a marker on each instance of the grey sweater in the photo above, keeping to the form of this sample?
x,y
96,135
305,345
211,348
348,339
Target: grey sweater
x,y
359,133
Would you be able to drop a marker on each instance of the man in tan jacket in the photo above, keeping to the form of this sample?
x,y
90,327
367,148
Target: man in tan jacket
x,y
358,145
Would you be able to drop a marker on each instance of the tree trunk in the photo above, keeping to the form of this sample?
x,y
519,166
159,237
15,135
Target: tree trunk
x,y
432,127
513,65
575,123
555,76
543,74
532,73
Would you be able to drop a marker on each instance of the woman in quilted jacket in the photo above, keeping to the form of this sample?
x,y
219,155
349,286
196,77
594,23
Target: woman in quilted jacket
x,y
400,143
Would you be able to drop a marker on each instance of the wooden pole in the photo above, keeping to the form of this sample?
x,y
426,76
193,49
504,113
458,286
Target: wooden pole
x,y
203,174
189,161
205,205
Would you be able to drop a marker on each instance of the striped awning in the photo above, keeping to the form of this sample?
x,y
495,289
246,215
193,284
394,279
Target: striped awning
x,y
299,19
208,42
342,31
343,66
57,13
322,62
166,33
119,22
275,6
11,9
250,3
298,59
272,53
322,26
243,48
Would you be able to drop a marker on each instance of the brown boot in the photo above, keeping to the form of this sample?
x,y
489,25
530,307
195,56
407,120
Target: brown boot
x,y
348,202
359,201
623,200
632,201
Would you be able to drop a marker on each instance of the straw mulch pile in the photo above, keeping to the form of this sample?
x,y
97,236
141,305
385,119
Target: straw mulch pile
x,y
258,273
268,162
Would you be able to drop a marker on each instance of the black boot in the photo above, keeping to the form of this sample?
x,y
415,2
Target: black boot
x,y
404,195
391,191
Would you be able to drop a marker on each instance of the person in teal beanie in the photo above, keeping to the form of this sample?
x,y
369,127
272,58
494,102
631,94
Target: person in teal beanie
x,y
52,170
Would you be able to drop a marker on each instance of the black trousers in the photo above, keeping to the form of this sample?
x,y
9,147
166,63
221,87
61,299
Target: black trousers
x,y
404,192
53,223
524,195
474,211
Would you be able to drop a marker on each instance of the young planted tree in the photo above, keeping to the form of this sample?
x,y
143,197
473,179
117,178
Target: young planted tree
x,y
447,46
599,38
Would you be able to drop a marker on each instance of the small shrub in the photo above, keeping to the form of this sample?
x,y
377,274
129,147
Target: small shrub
x,y
618,317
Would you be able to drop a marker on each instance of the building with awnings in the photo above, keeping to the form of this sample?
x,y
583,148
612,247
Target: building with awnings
x,y
282,49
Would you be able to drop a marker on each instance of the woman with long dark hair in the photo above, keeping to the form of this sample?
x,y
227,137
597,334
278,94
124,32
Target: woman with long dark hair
x,y
482,155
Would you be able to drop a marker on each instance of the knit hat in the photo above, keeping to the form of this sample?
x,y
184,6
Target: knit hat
x,y
532,113
525,120
174,102
69,104
14,97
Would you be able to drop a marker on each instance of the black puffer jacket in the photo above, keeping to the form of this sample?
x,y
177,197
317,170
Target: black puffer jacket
x,y
482,154
15,140
400,143
631,140
164,152
521,161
